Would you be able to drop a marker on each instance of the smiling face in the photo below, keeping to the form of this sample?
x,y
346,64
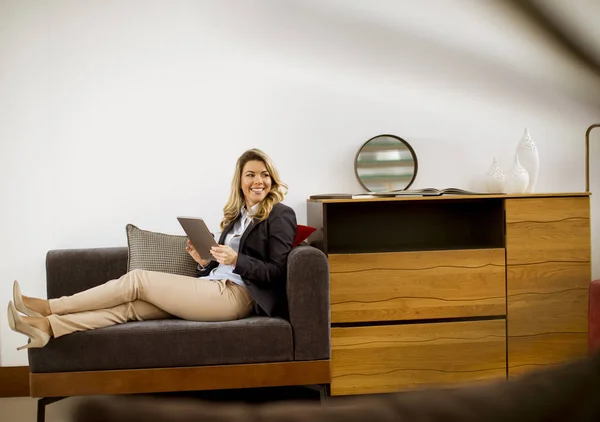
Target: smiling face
x,y
256,182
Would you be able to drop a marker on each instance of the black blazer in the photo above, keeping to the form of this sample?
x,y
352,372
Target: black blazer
x,y
262,256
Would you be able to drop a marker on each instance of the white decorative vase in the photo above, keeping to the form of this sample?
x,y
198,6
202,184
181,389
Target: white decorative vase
x,y
529,158
495,179
517,179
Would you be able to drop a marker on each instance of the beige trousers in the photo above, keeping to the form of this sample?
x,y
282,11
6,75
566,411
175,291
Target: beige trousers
x,y
144,295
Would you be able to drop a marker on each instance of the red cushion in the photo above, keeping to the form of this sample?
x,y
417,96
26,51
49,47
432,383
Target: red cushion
x,y
302,233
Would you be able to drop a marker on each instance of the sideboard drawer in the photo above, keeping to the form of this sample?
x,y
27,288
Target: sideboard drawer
x,y
547,229
417,285
381,359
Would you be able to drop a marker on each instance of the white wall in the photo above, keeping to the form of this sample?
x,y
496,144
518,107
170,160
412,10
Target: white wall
x,y
124,111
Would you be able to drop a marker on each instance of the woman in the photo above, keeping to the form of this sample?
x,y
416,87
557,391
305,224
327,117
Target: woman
x,y
250,268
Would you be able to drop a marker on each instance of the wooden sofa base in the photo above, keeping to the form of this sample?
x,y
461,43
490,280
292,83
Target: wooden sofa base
x,y
69,384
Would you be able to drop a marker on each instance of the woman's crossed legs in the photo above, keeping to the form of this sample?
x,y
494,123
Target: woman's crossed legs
x,y
145,295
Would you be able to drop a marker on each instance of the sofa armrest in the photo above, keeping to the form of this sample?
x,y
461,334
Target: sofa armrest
x,y
308,302
70,271
594,315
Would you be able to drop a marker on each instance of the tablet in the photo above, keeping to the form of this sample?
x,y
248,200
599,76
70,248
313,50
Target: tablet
x,y
199,235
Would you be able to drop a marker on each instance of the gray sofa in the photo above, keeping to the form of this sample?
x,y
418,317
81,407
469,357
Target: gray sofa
x,y
130,358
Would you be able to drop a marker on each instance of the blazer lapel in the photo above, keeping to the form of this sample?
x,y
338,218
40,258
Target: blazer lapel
x,y
250,227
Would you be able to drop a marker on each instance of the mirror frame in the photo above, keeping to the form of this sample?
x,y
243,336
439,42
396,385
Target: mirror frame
x,y
412,152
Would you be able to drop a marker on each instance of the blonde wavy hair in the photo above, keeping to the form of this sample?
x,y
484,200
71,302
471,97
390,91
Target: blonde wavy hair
x,y
237,200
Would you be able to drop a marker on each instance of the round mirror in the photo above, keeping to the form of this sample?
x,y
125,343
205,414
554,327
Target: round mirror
x,y
386,163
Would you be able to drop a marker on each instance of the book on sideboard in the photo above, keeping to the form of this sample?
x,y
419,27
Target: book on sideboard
x,y
402,193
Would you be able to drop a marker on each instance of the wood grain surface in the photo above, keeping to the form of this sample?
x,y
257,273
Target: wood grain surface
x,y
548,274
381,359
417,285
180,379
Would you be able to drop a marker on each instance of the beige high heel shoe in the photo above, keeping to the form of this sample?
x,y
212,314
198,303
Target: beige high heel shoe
x,y
18,300
16,323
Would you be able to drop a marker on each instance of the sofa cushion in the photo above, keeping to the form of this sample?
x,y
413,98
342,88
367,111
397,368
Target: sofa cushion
x,y
160,252
167,343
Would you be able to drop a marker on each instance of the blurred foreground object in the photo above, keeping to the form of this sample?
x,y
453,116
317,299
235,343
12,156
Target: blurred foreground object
x,y
568,392
569,24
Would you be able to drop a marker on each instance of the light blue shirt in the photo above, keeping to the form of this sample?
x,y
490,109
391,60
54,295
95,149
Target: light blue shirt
x,y
225,272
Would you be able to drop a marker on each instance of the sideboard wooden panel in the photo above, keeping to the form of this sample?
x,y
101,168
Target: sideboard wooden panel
x,y
547,229
548,272
547,297
451,289
547,209
417,285
383,359
531,353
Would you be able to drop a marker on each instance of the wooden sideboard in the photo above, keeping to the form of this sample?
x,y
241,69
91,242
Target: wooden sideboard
x,y
451,289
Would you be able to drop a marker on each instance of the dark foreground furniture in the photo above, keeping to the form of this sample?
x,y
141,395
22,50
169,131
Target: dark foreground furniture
x,y
176,355
565,393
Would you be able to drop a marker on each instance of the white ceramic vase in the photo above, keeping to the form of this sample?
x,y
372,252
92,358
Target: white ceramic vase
x,y
517,179
495,178
529,159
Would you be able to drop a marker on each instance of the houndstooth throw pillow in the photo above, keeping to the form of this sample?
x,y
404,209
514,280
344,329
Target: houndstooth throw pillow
x,y
161,252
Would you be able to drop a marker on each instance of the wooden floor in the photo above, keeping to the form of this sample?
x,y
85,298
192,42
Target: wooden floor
x,y
24,409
